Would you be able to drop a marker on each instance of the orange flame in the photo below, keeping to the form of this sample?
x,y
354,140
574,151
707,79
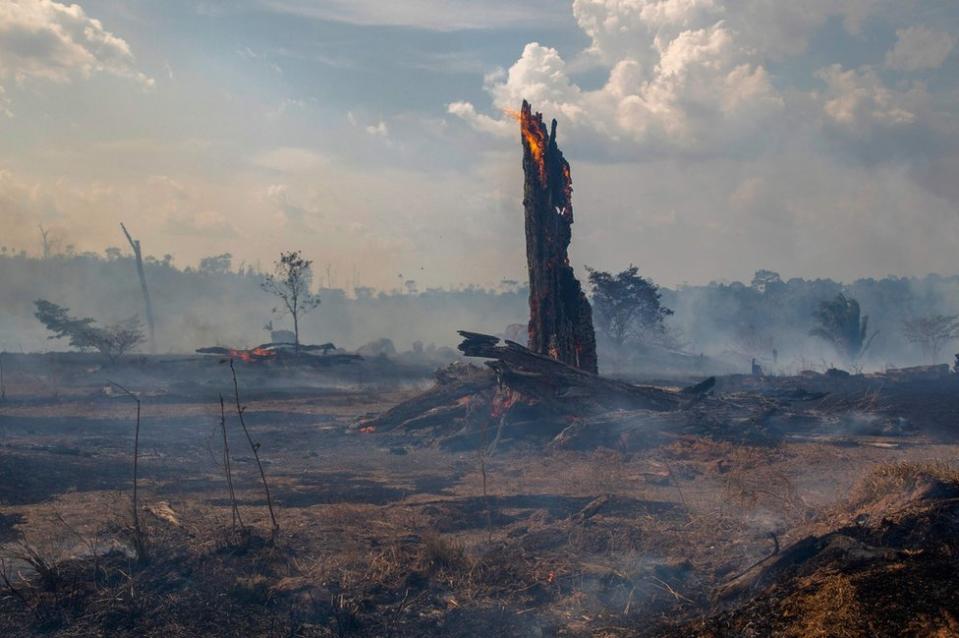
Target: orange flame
x,y
535,139
503,401
252,355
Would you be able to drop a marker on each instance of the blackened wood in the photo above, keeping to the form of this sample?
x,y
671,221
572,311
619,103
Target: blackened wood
x,y
561,320
558,384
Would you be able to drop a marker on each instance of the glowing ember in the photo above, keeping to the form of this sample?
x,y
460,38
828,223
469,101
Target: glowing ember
x,y
255,354
503,401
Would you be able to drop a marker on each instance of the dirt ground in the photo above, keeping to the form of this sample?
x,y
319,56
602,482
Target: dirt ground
x,y
377,536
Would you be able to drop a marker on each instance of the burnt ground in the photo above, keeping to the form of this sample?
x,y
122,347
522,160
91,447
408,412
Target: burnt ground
x,y
382,537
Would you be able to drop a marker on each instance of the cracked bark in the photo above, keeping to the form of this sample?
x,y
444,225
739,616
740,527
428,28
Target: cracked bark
x,y
561,320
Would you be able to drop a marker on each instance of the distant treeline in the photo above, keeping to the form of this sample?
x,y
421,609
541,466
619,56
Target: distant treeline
x,y
216,304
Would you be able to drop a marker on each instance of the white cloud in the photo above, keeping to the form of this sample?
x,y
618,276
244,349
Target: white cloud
x,y
692,76
857,99
58,42
700,145
685,89
920,48
624,28
480,121
380,129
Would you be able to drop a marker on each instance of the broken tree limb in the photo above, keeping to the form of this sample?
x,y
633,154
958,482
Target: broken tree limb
x,y
135,245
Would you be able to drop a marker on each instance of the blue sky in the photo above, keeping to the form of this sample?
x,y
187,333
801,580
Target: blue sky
x,y
708,138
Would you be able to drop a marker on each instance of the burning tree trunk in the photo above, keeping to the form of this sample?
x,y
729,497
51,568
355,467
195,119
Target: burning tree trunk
x,y
561,320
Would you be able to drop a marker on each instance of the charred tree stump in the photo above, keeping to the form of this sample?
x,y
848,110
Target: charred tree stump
x,y
561,320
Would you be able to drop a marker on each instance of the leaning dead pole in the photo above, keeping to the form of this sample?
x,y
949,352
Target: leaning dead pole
x,y
138,255
560,317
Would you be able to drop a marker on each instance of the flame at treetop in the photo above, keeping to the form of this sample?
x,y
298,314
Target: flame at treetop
x,y
535,137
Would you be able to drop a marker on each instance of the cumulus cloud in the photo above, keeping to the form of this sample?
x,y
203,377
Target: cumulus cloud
x,y
718,137
857,99
920,48
46,40
679,79
480,121
687,77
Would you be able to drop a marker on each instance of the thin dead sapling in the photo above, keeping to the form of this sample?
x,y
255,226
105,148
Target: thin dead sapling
x,y
229,473
137,530
255,448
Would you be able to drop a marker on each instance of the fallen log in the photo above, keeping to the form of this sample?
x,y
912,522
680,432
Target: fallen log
x,y
550,381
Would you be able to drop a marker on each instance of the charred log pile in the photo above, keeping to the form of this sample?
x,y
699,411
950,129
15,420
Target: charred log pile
x,y
522,395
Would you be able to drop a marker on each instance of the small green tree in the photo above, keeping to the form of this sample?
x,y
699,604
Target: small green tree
x,y
290,281
931,332
841,323
627,306
112,341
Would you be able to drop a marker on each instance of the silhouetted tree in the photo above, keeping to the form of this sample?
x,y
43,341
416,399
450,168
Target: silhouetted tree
x,y
931,332
216,264
113,341
842,324
764,279
627,306
290,281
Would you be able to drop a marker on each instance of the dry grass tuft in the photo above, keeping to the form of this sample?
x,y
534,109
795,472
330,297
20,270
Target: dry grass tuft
x,y
901,478
442,554
830,610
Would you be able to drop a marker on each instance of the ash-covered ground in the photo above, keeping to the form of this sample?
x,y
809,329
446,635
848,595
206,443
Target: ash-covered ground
x,y
820,505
